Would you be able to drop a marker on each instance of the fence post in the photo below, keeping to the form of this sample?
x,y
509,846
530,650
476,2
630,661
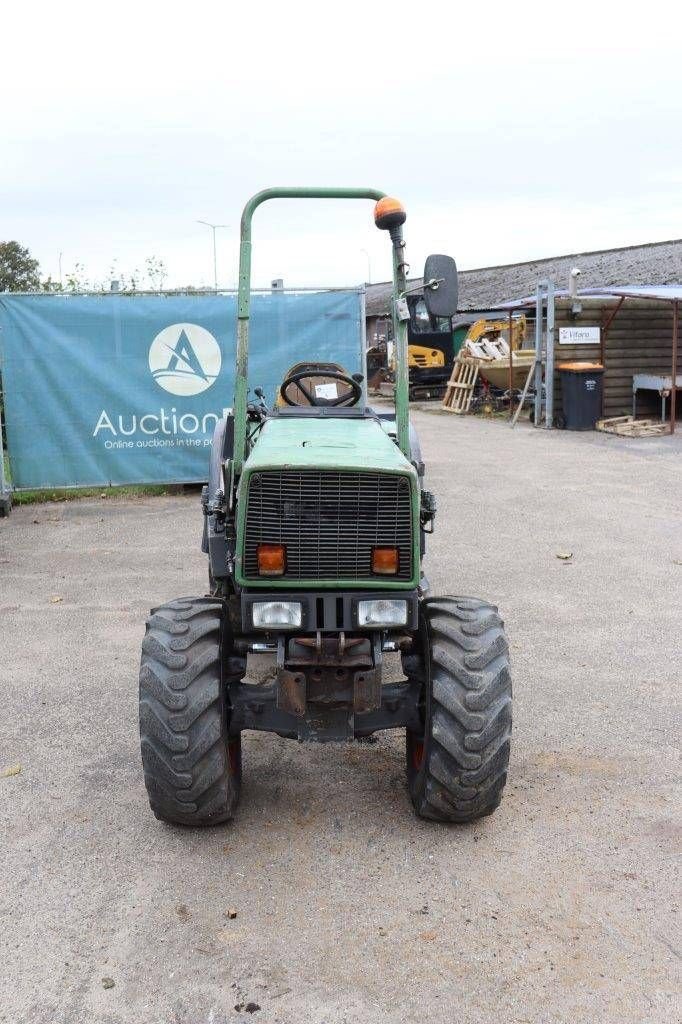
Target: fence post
x,y
5,492
549,359
539,318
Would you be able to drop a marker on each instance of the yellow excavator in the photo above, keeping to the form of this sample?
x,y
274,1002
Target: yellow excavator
x,y
494,328
424,357
430,353
431,349
488,342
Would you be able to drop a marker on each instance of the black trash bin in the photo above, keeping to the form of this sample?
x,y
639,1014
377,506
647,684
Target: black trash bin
x,y
581,388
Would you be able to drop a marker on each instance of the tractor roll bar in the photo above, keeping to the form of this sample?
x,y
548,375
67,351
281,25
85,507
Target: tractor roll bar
x,y
244,303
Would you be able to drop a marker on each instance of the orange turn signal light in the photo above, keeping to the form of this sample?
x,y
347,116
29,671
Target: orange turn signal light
x,y
389,213
272,559
385,561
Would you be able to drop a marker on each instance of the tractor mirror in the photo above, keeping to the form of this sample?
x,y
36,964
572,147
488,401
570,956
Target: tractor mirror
x,y
440,285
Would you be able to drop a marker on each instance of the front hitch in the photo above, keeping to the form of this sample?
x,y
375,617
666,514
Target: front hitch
x,y
329,673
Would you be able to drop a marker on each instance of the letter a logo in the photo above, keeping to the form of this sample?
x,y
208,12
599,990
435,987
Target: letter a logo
x,y
185,359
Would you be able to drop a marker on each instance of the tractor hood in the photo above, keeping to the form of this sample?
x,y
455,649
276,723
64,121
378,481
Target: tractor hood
x,y
326,443
302,487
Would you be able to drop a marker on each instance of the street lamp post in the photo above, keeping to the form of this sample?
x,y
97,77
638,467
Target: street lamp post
x,y
215,257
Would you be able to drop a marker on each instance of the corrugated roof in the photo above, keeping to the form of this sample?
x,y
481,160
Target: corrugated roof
x,y
666,292
662,292
493,287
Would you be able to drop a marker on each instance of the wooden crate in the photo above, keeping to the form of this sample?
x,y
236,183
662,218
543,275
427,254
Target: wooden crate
x,y
460,387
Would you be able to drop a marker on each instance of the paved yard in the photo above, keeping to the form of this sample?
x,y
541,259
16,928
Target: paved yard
x,y
560,907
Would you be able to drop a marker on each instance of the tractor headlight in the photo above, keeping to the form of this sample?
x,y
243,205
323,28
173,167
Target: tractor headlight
x,y
267,614
383,612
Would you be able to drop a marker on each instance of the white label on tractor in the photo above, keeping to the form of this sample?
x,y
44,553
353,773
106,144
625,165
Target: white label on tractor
x,y
326,391
579,335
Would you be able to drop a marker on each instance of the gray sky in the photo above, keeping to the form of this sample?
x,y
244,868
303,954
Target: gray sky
x,y
508,133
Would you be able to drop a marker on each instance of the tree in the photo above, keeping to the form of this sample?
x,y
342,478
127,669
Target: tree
x,y
19,272
156,272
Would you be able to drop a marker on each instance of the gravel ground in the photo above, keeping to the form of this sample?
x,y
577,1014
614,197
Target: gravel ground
x,y
559,907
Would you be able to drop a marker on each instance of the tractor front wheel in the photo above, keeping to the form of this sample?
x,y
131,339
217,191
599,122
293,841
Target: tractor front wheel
x,y
192,766
457,766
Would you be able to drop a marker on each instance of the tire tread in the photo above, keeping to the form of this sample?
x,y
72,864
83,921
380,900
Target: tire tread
x,y
183,722
467,744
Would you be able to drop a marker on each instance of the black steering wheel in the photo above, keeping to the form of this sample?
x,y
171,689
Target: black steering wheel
x,y
343,400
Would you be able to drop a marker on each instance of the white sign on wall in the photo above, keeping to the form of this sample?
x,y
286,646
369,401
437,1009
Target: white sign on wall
x,y
579,335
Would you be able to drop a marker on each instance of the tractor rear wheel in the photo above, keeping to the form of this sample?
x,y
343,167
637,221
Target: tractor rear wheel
x,y
457,766
192,767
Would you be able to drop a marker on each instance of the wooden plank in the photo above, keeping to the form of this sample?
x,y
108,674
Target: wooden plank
x,y
611,421
626,426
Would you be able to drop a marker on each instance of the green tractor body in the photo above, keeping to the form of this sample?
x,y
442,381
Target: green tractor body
x,y
315,524
326,453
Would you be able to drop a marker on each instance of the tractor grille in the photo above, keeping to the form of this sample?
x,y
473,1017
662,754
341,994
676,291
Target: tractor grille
x,y
329,522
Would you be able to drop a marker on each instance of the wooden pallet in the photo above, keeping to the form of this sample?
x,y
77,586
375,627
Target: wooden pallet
x,y
626,426
460,387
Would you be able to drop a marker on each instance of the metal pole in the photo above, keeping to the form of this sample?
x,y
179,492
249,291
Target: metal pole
x,y
213,227
5,492
244,298
549,359
363,343
215,262
539,313
2,463
673,390
402,373
603,338
511,369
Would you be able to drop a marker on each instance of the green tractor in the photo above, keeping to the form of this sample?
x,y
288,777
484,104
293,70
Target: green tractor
x,y
315,519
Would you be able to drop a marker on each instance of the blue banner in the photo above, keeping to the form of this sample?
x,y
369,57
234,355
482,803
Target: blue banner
x,y
125,389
